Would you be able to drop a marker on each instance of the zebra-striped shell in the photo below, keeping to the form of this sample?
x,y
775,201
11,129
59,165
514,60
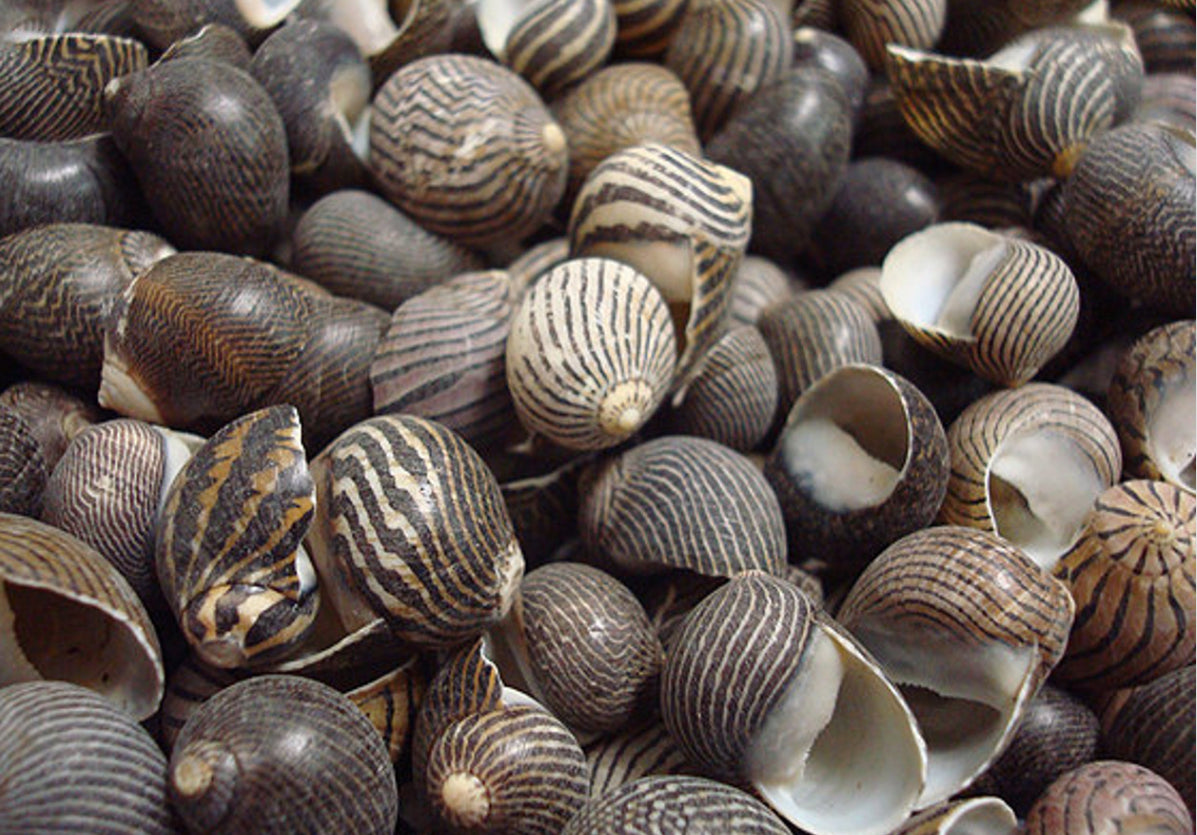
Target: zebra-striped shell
x,y
1109,795
662,805
682,502
1151,404
54,84
969,627
681,221
1132,575
1027,464
730,396
443,358
861,462
74,763
1165,37
759,283
467,148
637,750
645,27
552,43
873,24
813,333
756,689
282,754
353,243
59,283
209,150
619,107
725,50
996,304
591,353
972,816
69,615
411,527
228,543
515,770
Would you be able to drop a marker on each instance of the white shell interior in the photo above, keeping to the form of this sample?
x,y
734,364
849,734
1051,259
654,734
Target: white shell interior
x,y
367,22
1172,432
1016,56
934,278
974,816
496,19
854,762
349,93
1040,487
265,14
120,391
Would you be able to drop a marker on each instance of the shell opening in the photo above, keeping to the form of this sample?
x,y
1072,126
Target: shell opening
x,y
349,97
1040,488
367,22
1015,57
265,14
1172,432
496,20
120,390
466,800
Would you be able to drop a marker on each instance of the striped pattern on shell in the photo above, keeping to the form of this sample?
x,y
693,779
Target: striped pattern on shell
x,y
516,770
966,587
1132,575
736,655
91,628
591,648
683,502
1165,37
664,804
872,24
591,353
631,753
1108,795
725,51
680,220
58,285
645,27
467,149
282,754
444,357
759,283
54,84
191,684
557,43
414,517
228,545
73,763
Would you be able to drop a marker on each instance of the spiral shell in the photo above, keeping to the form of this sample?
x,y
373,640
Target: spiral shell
x,y
1108,793
871,25
638,750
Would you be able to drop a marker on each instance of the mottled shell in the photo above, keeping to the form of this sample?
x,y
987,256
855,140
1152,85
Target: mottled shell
x,y
871,25
861,462
209,150
59,283
467,149
412,524
638,750
972,816
664,804
1027,464
1109,794
443,358
591,353
682,502
993,303
725,51
281,754
228,542
1132,575
74,763
71,616
54,84
513,770
680,220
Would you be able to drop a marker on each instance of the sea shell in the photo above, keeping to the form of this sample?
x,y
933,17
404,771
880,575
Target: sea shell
x,y
1108,793
871,25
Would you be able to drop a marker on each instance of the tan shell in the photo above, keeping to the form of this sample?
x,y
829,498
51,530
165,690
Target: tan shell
x,y
1108,793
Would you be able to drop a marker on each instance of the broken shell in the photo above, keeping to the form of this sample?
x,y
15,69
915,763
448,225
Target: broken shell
x,y
1108,793
969,628
996,304
1027,464
591,353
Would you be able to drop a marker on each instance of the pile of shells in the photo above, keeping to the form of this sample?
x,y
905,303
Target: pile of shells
x,y
598,416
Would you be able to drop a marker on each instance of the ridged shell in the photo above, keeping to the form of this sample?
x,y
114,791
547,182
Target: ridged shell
x,y
591,353
413,524
467,149
638,750
759,283
443,358
354,243
1165,37
1108,794
209,150
970,627
228,543
534,262
1028,463
514,770
1133,575
678,219
682,502
59,283
663,805
725,51
69,615
996,304
282,754
73,763
871,25
54,84
863,284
